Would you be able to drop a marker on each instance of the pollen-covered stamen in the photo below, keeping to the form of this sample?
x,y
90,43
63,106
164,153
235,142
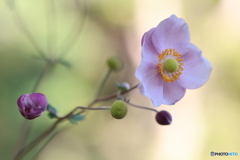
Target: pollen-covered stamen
x,y
170,65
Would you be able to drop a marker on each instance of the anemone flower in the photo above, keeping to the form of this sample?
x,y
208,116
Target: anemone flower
x,y
170,63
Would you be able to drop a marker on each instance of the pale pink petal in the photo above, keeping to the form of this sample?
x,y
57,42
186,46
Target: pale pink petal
x,y
148,50
154,92
197,69
173,92
146,69
151,82
169,33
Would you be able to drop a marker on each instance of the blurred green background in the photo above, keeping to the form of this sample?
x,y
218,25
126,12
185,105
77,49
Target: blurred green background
x,y
204,120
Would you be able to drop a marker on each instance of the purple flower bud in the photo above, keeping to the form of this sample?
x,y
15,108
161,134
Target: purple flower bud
x,y
164,118
32,105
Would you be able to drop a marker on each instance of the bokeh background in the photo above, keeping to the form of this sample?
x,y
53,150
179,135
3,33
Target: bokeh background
x,y
205,120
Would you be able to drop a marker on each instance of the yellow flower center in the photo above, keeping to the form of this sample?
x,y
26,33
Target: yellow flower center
x,y
170,66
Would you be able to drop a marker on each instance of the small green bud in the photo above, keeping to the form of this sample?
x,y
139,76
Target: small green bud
x,y
119,109
123,86
115,63
171,65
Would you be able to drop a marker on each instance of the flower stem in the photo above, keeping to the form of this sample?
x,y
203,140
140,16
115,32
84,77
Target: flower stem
x,y
26,149
100,88
76,29
27,125
30,146
40,77
95,108
23,28
51,28
48,140
142,107
114,95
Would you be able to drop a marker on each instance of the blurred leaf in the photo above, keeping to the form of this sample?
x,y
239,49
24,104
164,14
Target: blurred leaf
x,y
52,111
76,118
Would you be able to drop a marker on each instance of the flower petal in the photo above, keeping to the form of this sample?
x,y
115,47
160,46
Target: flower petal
x,y
169,33
148,49
197,69
21,101
39,100
173,92
32,105
146,69
151,81
154,92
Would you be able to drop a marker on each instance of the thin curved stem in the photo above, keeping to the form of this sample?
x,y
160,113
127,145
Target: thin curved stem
x,y
51,28
114,95
40,77
100,88
95,108
29,147
142,107
110,97
27,125
26,149
75,31
23,28
48,140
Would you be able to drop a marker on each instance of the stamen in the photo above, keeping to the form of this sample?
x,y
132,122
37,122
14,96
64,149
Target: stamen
x,y
163,57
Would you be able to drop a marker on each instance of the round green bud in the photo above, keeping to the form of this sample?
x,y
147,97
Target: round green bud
x,y
171,65
115,63
119,109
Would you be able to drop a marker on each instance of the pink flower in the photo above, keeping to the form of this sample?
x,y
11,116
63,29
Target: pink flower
x,y
32,105
170,63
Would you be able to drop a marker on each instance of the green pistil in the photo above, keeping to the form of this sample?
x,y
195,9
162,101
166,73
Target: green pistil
x,y
171,65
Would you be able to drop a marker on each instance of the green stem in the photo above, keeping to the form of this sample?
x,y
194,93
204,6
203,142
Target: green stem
x,y
142,107
114,95
49,139
40,77
51,28
76,29
22,27
100,88
33,144
27,125
26,149
95,108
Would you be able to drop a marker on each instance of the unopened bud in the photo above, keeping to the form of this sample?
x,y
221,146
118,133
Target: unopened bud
x,y
119,109
123,86
32,105
115,63
164,118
